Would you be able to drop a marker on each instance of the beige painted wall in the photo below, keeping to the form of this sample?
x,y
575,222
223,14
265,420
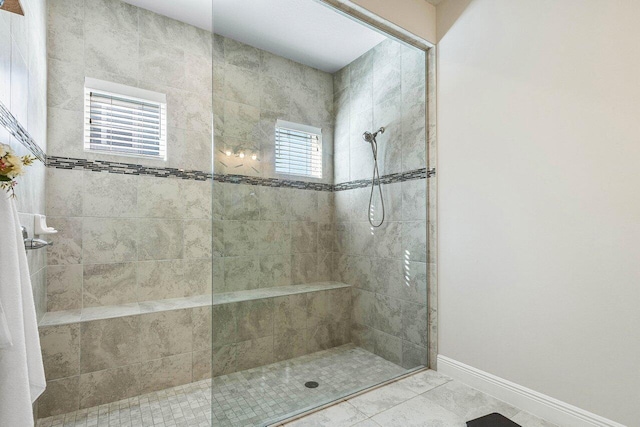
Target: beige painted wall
x,y
415,16
538,209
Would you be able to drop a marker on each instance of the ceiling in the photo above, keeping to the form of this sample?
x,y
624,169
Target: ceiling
x,y
302,30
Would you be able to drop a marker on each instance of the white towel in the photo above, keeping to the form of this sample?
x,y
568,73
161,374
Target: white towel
x,y
21,370
5,335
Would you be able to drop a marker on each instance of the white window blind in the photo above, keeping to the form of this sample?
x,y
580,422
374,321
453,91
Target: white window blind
x,y
298,149
124,120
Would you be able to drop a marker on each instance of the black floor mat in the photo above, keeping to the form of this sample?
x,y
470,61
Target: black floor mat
x,y
492,420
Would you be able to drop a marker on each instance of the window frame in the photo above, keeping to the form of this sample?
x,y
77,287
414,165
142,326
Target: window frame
x,y
126,93
299,127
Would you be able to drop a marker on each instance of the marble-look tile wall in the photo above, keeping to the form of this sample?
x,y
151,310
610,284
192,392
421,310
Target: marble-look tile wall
x,y
265,236
260,332
115,41
384,87
252,89
386,266
387,269
101,361
125,239
23,86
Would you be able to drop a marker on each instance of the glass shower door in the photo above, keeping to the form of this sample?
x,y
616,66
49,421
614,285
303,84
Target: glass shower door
x,y
311,302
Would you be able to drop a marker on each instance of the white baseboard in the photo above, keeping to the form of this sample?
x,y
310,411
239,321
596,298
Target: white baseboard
x,y
538,404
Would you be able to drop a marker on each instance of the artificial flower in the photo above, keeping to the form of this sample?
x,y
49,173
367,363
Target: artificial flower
x,y
11,166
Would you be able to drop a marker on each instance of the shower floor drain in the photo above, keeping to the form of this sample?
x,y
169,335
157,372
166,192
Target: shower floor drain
x,y
311,384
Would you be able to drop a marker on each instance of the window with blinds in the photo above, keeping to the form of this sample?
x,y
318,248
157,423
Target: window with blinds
x,y
298,149
124,120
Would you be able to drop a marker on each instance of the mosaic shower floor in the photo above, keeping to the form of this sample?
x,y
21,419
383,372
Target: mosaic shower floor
x,y
248,398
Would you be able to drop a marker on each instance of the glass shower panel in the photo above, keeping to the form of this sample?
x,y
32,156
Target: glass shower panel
x,y
311,302
129,162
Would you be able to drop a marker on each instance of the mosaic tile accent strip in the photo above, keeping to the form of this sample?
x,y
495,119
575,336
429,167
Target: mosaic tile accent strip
x,y
20,133
254,397
272,182
124,168
136,169
387,179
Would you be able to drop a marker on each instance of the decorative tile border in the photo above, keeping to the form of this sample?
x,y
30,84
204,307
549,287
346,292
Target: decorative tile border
x,y
272,182
20,133
124,168
387,179
135,169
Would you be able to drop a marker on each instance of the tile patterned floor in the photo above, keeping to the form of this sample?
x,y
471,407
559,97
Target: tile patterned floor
x,y
248,398
425,399
253,397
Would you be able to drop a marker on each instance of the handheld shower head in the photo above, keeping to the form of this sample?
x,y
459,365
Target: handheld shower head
x,y
371,137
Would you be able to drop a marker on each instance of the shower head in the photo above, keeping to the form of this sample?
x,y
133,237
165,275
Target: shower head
x,y
370,137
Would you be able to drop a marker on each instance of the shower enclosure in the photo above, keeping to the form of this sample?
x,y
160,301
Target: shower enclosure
x,y
313,298
231,269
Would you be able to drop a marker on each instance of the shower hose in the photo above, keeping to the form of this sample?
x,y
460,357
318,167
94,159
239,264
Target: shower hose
x,y
376,176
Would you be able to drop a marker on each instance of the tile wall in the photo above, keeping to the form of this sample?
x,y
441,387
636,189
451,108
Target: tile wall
x,y
271,236
23,86
126,238
101,361
386,266
264,331
253,88
385,87
115,41
268,236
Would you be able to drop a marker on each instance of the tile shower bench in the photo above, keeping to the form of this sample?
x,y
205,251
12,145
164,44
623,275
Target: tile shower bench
x,y
103,354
